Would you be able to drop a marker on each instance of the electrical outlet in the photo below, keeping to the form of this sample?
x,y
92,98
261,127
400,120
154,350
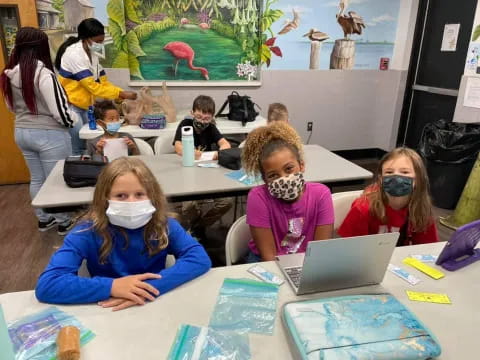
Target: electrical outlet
x,y
309,126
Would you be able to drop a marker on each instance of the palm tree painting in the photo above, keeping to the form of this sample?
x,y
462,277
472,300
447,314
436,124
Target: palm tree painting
x,y
188,40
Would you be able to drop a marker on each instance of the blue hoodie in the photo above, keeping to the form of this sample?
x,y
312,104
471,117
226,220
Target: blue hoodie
x,y
60,284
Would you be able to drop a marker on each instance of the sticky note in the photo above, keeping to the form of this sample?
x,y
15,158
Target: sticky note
x,y
430,271
428,297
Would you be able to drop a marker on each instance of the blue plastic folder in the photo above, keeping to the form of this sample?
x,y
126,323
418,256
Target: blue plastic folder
x,y
6,346
360,327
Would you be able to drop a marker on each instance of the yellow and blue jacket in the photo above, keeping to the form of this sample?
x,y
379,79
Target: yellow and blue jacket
x,y
84,80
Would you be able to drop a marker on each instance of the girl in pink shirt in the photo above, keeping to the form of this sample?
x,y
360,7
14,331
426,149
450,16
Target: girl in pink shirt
x,y
285,213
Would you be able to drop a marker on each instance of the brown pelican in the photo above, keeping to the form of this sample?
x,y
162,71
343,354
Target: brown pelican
x,y
292,24
315,35
351,23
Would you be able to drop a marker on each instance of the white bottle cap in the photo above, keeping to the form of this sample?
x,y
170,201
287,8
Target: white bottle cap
x,y
187,131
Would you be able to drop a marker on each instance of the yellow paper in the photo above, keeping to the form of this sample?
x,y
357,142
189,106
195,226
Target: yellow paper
x,y
430,271
428,297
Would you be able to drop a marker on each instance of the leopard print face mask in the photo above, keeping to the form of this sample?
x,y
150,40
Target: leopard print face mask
x,y
288,187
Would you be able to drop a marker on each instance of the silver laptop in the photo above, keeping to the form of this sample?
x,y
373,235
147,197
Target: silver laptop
x,y
339,263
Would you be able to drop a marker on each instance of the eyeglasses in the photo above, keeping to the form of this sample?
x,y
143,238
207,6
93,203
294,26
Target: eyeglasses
x,y
203,118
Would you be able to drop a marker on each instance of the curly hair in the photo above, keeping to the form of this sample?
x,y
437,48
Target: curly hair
x,y
265,140
101,107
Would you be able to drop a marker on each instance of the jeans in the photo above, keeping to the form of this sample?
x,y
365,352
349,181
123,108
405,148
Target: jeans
x,y
42,149
78,145
252,257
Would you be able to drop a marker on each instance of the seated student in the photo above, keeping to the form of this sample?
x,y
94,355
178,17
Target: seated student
x,y
285,213
125,238
205,134
276,112
398,200
205,131
109,119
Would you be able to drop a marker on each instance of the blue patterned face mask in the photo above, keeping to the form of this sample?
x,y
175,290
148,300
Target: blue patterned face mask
x,y
397,185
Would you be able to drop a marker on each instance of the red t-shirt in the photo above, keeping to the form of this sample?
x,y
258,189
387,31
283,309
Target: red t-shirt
x,y
359,221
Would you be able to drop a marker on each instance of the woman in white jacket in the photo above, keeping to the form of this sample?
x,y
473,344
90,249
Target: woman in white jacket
x,y
42,115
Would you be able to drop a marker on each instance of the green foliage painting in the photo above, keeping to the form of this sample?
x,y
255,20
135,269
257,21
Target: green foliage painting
x,y
190,39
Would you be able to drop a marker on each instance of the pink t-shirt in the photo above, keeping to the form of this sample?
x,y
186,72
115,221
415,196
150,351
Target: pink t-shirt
x,y
293,224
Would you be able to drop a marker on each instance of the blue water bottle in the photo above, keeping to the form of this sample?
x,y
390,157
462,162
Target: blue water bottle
x,y
188,147
92,123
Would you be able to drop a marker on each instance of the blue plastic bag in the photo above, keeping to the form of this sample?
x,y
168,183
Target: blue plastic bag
x,y
34,336
244,178
193,343
244,306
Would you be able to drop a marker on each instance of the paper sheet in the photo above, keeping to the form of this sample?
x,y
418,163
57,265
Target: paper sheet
x,y
206,156
115,148
472,93
450,37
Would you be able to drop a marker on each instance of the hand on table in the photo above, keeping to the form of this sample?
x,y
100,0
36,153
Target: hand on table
x,y
117,303
134,288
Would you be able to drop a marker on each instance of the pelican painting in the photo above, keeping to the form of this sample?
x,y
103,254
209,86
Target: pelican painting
x,y
351,23
291,24
315,35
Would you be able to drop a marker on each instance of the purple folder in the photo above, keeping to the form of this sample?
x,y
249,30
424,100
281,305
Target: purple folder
x,y
460,250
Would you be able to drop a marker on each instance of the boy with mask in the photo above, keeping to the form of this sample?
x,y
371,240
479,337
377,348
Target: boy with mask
x,y
205,134
109,119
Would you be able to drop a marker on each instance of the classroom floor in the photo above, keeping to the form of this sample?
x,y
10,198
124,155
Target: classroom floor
x,y
24,251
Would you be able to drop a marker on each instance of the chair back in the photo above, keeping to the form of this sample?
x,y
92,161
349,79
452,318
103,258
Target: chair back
x,y
236,245
163,145
342,203
143,147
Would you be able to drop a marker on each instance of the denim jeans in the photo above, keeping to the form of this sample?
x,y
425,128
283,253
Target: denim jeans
x,y
42,149
78,145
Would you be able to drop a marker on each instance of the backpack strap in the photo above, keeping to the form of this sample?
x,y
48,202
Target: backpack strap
x,y
219,113
245,110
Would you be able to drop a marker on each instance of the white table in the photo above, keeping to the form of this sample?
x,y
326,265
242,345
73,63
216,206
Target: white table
x,y
147,332
226,127
188,183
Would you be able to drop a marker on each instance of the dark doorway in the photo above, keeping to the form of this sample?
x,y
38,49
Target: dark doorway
x,y
434,76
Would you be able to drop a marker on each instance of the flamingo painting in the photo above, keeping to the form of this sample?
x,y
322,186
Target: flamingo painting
x,y
183,51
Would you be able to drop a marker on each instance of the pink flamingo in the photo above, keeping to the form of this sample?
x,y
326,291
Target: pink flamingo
x,y
180,51
204,26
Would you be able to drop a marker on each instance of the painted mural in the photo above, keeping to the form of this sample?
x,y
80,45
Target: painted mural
x,y
231,40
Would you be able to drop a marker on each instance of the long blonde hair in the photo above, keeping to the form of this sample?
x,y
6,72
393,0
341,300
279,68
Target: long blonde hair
x,y
265,140
420,213
156,228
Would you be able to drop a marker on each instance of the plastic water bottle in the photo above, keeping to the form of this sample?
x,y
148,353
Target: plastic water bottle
x,y
188,147
92,123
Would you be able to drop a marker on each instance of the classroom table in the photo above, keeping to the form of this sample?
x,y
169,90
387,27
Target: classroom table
x,y
192,183
226,127
147,332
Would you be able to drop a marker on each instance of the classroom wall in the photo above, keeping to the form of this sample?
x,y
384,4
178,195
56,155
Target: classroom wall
x,y
350,109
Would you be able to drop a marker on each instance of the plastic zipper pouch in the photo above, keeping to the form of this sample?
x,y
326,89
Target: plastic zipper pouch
x,y
357,327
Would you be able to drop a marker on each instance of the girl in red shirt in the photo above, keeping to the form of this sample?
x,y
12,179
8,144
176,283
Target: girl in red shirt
x,y
398,200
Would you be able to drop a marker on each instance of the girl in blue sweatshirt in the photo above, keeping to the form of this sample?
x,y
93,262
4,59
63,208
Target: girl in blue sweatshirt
x,y
125,238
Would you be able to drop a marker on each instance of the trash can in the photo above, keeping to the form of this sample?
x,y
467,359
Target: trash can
x,y
449,150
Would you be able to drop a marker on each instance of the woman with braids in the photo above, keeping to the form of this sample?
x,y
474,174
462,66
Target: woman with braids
x,y
82,76
42,116
285,213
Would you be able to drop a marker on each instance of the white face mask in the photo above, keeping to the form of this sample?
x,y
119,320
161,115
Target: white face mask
x,y
130,215
97,48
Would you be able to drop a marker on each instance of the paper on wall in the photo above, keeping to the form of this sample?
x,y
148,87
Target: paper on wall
x,y
472,93
115,148
450,37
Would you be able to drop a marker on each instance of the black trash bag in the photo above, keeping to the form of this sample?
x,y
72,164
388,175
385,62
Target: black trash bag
x,y
448,142
450,150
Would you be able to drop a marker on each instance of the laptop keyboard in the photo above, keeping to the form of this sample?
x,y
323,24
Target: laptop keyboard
x,y
295,274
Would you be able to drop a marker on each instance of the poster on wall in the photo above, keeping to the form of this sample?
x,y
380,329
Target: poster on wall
x,y
215,42
472,65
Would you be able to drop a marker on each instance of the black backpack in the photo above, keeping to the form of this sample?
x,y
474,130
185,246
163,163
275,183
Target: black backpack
x,y
80,171
240,108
